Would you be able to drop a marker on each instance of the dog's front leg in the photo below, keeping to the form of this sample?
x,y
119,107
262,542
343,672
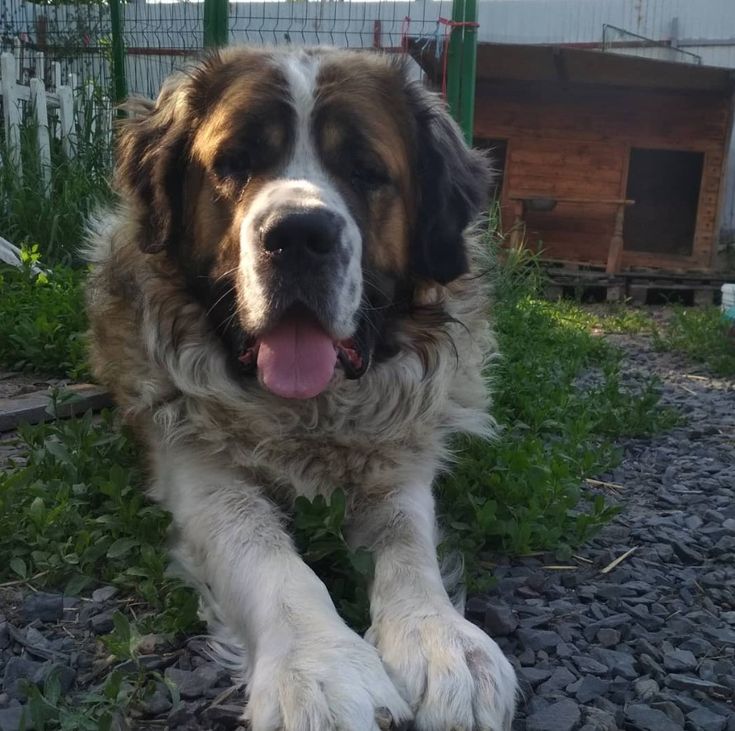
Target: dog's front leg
x,y
453,675
308,671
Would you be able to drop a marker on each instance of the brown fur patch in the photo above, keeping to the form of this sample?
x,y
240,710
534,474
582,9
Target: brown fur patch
x,y
360,100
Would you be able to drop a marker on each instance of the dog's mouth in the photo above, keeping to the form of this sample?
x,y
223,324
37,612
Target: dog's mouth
x,y
296,358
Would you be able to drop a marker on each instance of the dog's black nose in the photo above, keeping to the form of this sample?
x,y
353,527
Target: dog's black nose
x,y
315,231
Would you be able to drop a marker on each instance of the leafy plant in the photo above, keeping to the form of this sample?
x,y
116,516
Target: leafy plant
x,y
75,513
43,318
704,335
318,531
522,493
55,217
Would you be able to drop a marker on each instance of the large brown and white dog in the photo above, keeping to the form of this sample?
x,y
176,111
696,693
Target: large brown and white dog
x,y
286,301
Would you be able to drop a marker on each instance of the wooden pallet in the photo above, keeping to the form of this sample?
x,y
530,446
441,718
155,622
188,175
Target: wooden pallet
x,y
33,408
698,287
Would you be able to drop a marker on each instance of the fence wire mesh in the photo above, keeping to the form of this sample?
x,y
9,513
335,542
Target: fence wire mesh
x,y
159,37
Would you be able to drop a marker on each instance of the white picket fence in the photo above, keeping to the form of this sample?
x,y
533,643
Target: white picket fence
x,y
76,110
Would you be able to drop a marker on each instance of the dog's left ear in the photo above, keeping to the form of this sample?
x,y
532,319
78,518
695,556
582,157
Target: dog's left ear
x,y
452,189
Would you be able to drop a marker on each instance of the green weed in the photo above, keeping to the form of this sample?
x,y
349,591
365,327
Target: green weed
x,y
102,707
521,493
43,318
704,335
318,532
75,515
54,218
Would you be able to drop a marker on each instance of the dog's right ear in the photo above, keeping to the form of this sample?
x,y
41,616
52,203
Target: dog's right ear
x,y
152,155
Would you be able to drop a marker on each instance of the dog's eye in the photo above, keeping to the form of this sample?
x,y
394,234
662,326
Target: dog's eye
x,y
369,177
235,166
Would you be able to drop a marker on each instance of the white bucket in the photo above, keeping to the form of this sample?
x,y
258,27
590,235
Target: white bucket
x,y
728,301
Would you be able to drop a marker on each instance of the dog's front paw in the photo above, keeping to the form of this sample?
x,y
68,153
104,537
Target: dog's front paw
x,y
453,675
334,682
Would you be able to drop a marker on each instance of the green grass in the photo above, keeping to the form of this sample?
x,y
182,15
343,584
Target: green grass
x,y
704,335
54,219
522,493
43,319
76,516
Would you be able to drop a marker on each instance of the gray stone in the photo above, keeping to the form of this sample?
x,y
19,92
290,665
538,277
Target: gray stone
x,y
561,716
10,719
560,678
671,710
102,624
651,666
645,718
183,713
723,635
158,703
611,622
646,688
527,657
104,594
4,635
533,676
500,619
704,720
589,665
677,661
590,688
538,639
43,606
192,683
18,670
608,637
223,715
619,663
598,719
697,645
689,682
35,639
687,554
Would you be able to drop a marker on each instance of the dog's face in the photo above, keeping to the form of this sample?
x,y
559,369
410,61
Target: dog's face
x,y
303,194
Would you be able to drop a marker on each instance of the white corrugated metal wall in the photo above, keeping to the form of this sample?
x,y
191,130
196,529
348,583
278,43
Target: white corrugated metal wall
x,y
702,27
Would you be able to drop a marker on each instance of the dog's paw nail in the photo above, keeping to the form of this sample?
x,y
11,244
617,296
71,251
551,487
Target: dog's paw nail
x,y
384,719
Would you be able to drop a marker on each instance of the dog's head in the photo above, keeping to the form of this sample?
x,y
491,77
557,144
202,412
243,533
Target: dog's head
x,y
302,193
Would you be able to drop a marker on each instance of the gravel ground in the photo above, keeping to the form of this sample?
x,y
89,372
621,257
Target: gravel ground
x,y
646,646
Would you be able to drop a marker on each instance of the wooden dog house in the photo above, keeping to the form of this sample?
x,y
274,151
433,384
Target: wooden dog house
x,y
608,160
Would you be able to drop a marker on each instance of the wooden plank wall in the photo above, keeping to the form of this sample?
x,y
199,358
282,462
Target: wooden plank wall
x,y
573,141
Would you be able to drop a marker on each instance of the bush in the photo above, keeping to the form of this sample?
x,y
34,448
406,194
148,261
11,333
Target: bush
x,y
43,319
54,219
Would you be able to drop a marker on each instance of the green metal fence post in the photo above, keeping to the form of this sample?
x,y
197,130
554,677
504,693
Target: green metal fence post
x,y
469,71
119,83
216,21
454,59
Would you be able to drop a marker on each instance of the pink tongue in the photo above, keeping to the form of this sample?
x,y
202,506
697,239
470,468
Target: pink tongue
x,y
296,359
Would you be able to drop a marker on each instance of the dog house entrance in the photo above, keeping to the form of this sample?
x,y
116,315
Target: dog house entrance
x,y
665,187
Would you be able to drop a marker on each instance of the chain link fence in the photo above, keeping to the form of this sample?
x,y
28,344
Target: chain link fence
x,y
158,37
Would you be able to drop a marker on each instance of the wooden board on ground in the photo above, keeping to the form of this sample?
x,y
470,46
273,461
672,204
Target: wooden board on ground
x,y
33,408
